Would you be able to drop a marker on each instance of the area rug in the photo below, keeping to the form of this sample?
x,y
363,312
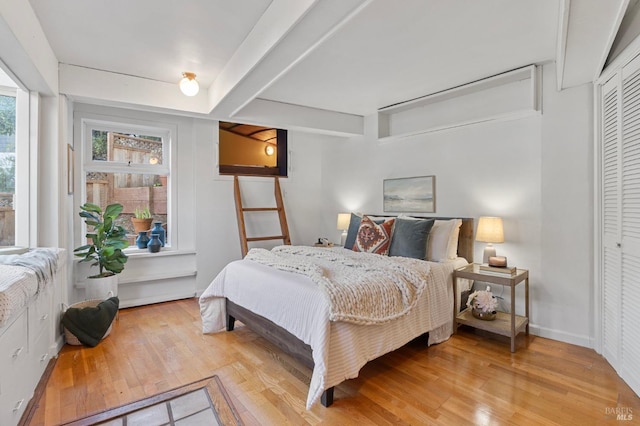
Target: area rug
x,y
204,402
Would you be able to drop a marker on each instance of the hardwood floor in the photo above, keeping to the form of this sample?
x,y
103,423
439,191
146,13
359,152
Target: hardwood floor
x,y
469,379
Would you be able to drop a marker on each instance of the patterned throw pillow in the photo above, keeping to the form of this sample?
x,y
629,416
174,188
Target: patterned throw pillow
x,y
373,237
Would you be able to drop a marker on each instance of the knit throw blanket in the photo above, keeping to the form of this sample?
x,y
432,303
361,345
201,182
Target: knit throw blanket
x,y
362,288
42,261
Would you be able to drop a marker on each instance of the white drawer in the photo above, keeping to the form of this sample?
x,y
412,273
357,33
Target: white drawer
x,y
39,313
11,410
39,356
14,360
14,345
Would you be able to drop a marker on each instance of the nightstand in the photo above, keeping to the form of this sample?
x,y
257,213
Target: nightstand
x,y
505,324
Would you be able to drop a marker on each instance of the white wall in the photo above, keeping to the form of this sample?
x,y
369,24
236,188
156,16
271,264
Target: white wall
x,y
517,169
564,297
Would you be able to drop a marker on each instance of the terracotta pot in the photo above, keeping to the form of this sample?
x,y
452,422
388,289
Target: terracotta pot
x,y
141,225
163,180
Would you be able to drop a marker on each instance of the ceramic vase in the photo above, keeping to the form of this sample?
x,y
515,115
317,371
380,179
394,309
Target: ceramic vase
x,y
142,240
158,229
154,245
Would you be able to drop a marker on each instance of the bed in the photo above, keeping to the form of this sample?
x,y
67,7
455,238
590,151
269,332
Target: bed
x,y
290,310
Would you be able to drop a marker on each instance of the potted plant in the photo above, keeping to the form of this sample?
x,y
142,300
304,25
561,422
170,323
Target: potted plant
x,y
141,220
483,305
105,242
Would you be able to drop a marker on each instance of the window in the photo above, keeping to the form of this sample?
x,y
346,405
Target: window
x,y
7,168
128,164
252,150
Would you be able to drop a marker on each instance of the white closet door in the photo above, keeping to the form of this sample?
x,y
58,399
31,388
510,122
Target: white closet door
x,y
630,202
610,218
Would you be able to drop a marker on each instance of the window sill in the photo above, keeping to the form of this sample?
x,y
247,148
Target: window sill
x,y
141,253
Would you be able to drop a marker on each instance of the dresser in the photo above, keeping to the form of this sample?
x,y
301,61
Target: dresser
x,y
29,338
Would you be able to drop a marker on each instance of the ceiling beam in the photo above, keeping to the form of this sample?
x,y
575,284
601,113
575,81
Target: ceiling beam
x,y
125,91
295,117
25,49
273,26
318,24
586,31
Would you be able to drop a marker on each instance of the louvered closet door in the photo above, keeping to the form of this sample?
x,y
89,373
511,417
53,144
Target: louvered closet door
x,y
629,360
611,212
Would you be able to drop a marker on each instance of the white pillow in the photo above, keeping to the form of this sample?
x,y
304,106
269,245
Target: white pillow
x,y
443,240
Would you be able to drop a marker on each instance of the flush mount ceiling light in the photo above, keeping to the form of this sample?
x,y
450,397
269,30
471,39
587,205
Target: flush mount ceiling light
x,y
269,150
189,85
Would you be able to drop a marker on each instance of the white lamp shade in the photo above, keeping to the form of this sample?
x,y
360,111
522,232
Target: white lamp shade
x,y
490,230
189,85
343,221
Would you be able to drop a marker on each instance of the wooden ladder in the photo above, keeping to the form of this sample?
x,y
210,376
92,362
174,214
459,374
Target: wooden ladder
x,y
240,210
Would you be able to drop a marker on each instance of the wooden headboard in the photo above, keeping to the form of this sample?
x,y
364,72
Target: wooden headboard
x,y
465,239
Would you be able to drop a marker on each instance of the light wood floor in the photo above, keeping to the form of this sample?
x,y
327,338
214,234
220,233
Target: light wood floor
x,y
469,379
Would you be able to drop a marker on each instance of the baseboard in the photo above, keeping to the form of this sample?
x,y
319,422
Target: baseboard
x,y
57,346
129,303
562,336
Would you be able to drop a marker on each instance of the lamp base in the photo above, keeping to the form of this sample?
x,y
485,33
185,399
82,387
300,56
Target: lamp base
x,y
343,238
489,251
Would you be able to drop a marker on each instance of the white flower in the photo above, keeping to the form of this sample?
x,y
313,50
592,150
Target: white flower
x,y
483,300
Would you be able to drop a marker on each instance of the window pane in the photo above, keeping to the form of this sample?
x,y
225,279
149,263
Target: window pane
x,y
7,170
126,148
134,191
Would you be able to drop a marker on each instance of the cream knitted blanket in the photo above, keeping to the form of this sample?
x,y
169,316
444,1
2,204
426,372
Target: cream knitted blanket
x,y
362,288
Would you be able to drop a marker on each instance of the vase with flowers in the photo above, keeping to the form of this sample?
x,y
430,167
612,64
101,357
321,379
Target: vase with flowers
x,y
483,304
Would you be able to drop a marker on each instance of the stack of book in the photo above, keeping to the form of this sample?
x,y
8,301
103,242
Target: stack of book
x,y
507,270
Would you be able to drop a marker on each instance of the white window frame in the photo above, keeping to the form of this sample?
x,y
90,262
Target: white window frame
x,y
23,194
85,123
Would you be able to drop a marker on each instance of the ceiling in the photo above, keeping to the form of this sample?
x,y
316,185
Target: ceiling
x,y
323,64
258,133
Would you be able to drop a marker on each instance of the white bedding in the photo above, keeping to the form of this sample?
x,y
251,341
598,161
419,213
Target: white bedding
x,y
295,303
22,276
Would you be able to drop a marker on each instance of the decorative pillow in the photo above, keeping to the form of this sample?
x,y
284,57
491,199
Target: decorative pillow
x,y
373,237
410,237
352,232
452,247
443,240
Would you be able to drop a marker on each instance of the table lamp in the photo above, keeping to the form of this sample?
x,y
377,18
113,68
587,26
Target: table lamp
x,y
343,224
489,231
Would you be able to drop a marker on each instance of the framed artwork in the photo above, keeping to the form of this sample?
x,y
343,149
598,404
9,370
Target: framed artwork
x,y
410,195
70,168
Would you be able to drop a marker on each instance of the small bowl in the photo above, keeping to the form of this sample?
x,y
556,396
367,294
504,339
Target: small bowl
x,y
487,316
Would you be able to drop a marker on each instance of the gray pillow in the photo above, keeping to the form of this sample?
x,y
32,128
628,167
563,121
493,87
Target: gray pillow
x,y
410,237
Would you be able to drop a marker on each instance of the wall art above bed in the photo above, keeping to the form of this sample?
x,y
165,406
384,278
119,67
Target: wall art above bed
x,y
410,195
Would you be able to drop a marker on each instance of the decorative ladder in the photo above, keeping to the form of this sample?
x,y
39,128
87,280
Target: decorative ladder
x,y
240,210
